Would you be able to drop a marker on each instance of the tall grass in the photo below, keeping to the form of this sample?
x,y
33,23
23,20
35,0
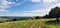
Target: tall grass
x,y
36,23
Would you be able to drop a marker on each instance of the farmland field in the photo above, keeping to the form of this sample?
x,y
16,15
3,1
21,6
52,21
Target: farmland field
x,y
35,23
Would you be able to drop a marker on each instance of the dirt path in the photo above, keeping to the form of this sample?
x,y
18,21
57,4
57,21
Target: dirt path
x,y
36,24
33,25
40,24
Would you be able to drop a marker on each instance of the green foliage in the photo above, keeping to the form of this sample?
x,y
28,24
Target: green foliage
x,y
55,12
37,17
14,20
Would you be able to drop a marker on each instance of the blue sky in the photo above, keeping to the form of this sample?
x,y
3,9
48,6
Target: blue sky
x,y
26,7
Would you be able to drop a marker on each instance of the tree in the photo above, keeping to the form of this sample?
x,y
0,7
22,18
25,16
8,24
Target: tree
x,y
55,13
45,16
14,20
37,17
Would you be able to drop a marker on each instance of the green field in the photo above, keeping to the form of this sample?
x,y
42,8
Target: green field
x,y
35,23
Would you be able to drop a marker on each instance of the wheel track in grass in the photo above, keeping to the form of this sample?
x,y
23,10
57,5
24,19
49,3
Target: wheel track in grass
x,y
40,24
33,25
37,23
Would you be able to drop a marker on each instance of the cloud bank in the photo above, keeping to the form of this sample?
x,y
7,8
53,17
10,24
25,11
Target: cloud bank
x,y
4,4
48,4
40,12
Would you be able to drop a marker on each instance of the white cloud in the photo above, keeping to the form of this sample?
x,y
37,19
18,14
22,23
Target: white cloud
x,y
35,0
5,4
57,5
49,1
4,10
39,12
30,14
46,1
44,11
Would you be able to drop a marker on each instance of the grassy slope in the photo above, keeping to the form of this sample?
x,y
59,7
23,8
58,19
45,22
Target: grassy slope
x,y
36,23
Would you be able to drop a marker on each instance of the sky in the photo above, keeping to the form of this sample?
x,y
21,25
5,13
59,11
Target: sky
x,y
27,7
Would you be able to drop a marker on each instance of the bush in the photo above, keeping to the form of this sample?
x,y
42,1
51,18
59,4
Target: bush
x,y
37,17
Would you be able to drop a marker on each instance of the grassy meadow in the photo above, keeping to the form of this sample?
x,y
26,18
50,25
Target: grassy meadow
x,y
35,23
